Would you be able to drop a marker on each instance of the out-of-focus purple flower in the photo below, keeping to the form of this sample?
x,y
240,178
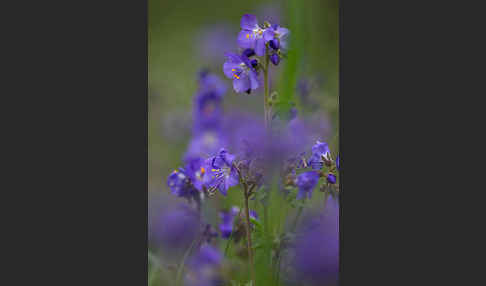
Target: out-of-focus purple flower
x,y
208,102
180,185
175,228
319,151
195,171
337,162
212,83
227,218
207,112
331,179
240,70
213,41
305,183
203,267
251,35
316,259
220,172
205,143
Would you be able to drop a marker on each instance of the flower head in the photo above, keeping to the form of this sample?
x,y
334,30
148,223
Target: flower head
x,y
221,174
306,183
320,152
180,184
241,71
251,35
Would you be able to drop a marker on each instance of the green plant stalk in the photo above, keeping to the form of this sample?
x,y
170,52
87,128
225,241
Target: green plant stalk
x,y
181,265
266,94
248,236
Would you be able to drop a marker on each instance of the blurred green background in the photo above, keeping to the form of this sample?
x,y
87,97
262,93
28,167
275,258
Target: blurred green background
x,y
185,36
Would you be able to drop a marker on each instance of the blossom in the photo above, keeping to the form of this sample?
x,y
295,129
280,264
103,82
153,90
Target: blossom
x,y
208,102
277,36
221,174
320,151
251,35
227,217
306,183
180,184
240,70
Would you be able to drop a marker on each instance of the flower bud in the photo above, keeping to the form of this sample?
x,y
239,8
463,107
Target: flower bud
x,y
274,44
275,59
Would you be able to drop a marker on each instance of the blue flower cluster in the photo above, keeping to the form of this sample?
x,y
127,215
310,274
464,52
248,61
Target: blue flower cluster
x,y
257,42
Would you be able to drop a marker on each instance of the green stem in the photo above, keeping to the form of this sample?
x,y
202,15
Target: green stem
x,y
248,237
180,269
266,94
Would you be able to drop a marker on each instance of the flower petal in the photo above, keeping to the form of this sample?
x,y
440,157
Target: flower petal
x,y
260,47
249,22
230,69
246,39
242,84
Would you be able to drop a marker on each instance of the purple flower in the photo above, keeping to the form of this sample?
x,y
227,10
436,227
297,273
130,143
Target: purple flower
x,y
240,70
306,183
316,259
220,172
277,34
175,228
180,184
227,217
331,179
251,35
195,171
320,151
337,162
207,112
203,267
212,83
205,143
208,102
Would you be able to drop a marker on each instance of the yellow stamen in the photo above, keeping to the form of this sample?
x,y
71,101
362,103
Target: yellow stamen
x,y
203,170
247,36
175,171
233,70
236,76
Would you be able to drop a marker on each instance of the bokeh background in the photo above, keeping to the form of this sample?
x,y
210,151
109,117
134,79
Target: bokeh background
x,y
185,36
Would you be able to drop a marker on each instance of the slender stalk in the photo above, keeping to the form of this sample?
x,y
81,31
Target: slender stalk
x,y
248,237
247,226
266,94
